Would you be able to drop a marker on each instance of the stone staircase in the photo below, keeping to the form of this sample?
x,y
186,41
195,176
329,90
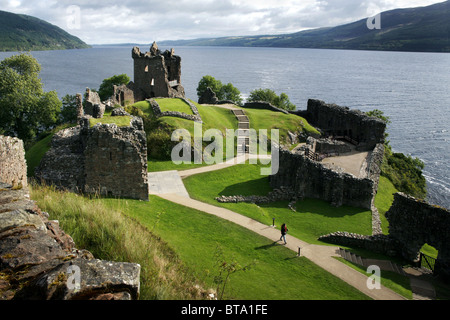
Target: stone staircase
x,y
382,264
243,140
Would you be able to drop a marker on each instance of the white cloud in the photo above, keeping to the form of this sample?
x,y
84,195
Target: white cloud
x,y
145,21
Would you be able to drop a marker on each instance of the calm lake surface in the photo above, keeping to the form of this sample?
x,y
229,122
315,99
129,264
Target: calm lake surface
x,y
413,89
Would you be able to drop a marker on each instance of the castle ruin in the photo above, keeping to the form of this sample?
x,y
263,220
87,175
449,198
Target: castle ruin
x,y
321,168
156,74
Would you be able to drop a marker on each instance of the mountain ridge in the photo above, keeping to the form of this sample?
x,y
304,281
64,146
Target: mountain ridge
x,y
420,29
20,32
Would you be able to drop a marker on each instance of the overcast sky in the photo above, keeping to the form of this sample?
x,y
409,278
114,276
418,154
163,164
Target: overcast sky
x,y
123,21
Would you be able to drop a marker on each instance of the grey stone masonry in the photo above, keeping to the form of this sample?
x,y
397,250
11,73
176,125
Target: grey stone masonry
x,y
310,179
104,159
13,168
337,121
156,74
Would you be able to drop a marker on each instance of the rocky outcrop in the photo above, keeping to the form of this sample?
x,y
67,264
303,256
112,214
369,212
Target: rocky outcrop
x,y
39,261
105,159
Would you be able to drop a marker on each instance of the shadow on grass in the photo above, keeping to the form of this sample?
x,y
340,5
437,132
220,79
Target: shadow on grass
x,y
257,187
267,246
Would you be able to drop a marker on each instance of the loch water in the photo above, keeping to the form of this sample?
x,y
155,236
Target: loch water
x,y
413,89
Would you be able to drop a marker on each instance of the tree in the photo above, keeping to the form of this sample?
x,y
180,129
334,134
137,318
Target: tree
x,y
25,109
271,97
211,82
230,92
106,89
226,268
223,92
69,109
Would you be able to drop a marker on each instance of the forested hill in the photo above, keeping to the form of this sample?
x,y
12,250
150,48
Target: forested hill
x,y
25,33
424,29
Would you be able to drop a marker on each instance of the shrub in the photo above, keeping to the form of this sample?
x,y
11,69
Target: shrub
x,y
223,92
106,88
282,101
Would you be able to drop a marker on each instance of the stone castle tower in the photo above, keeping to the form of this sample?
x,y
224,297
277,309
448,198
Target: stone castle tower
x,y
156,74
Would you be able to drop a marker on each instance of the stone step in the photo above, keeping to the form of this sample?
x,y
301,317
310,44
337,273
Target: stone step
x,y
350,256
238,112
398,269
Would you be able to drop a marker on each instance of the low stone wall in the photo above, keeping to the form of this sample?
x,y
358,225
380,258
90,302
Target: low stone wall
x,y
158,113
37,259
275,195
13,168
310,179
379,243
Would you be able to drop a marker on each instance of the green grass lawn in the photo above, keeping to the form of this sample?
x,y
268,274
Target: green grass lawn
x,y
168,104
312,219
383,200
120,121
267,119
277,274
389,279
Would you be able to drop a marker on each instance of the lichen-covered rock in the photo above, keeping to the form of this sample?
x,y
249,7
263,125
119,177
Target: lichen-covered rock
x,y
86,279
35,256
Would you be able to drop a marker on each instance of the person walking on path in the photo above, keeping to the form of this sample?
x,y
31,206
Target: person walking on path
x,y
284,230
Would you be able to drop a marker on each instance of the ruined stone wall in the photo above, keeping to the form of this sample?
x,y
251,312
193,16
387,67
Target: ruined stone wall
x,y
116,161
93,105
412,223
153,73
123,94
13,168
334,120
312,180
107,159
63,164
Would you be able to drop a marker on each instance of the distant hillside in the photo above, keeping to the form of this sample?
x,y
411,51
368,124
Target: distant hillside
x,y
23,33
424,29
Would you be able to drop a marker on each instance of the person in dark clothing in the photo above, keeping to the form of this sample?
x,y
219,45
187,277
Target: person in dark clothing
x,y
284,230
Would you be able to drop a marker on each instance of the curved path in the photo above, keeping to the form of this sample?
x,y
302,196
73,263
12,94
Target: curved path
x,y
321,255
169,185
